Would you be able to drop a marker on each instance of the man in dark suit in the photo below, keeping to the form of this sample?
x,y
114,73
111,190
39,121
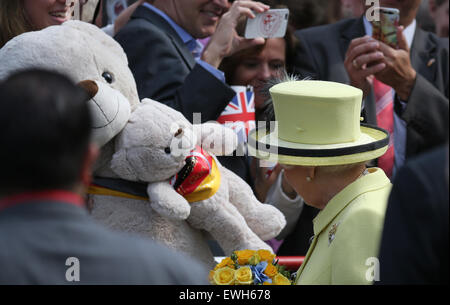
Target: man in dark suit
x,y
168,62
417,72
46,233
414,246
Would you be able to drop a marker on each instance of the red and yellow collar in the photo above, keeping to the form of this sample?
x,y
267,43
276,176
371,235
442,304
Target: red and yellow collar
x,y
198,180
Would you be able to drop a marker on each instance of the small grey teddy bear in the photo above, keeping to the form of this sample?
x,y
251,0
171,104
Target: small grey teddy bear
x,y
152,148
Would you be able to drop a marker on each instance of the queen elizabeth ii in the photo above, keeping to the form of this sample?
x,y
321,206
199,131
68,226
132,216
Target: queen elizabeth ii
x,y
323,150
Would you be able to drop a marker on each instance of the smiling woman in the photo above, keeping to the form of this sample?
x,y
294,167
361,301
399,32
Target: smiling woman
x,y
20,16
256,65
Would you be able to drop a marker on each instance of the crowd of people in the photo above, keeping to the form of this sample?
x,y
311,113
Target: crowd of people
x,y
387,200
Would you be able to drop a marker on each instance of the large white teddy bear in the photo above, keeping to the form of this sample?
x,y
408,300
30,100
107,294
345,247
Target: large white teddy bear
x,y
87,55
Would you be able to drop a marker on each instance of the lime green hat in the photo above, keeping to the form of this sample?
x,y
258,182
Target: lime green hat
x,y
318,124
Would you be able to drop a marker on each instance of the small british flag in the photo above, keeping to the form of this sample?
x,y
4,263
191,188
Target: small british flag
x,y
239,115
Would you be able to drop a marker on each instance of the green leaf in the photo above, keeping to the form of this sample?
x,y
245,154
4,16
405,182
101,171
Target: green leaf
x,y
234,257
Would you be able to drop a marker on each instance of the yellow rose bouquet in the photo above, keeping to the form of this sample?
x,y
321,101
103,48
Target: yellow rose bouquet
x,y
250,267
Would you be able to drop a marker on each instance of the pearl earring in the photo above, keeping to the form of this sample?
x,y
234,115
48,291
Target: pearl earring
x,y
308,179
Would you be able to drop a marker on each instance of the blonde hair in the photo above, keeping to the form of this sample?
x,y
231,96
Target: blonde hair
x,y
13,21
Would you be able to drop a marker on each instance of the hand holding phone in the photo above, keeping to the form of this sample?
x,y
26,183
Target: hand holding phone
x,y
225,41
385,29
270,24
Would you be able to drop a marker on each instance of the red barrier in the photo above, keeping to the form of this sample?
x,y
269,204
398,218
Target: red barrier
x,y
292,263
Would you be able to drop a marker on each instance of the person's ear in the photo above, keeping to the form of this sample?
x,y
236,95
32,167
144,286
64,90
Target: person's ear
x,y
89,159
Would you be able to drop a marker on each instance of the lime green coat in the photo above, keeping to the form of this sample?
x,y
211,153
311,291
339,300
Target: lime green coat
x,y
347,233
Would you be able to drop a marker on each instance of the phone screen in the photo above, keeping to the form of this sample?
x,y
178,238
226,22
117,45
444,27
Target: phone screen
x,y
270,24
385,29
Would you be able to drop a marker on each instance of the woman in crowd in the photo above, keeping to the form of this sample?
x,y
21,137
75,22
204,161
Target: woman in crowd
x,y
323,150
20,16
256,67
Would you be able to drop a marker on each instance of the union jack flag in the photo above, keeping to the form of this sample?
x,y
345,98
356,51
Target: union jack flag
x,y
239,115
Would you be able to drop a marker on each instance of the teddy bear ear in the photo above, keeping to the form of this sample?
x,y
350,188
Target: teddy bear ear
x,y
122,167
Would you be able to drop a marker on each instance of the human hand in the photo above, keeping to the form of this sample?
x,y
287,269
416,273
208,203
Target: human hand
x,y
362,60
287,189
398,73
264,179
225,41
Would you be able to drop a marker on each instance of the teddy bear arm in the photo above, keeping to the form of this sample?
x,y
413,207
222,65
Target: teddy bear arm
x,y
167,202
263,219
225,224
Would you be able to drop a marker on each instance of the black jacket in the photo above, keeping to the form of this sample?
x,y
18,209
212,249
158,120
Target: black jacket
x,y
414,246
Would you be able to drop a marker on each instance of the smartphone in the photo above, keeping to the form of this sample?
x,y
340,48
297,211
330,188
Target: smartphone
x,y
270,24
385,29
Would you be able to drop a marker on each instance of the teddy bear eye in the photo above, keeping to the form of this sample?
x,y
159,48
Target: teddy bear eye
x,y
179,132
108,77
167,150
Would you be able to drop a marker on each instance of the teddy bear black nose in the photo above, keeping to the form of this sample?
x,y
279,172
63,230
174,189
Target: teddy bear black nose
x,y
167,150
108,77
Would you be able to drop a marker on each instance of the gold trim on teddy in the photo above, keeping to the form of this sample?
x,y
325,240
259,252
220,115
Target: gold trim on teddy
x,y
205,190
99,190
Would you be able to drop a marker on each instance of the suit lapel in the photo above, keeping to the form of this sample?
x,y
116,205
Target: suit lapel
x,y
147,14
185,54
423,55
308,255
